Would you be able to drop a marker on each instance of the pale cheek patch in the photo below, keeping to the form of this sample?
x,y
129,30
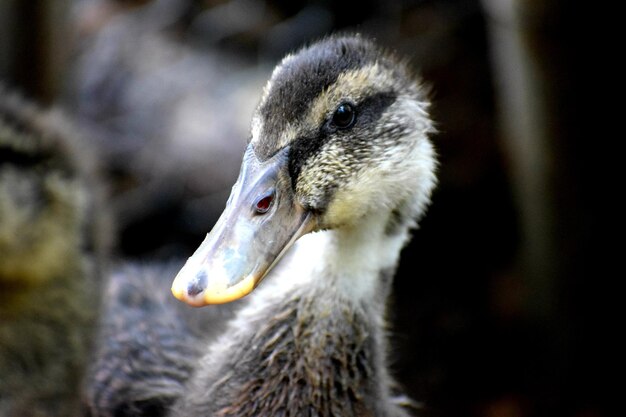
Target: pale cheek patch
x,y
397,170
331,165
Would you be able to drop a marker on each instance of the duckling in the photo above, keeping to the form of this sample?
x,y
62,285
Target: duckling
x,y
52,246
338,170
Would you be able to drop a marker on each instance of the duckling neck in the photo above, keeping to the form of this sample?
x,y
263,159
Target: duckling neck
x,y
359,260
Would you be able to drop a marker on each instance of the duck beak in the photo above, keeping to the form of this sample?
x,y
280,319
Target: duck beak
x,y
260,223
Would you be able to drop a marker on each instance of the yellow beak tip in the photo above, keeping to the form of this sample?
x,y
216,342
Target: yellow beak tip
x,y
178,293
215,293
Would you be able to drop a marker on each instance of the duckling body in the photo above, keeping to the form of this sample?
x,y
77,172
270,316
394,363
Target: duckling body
x,y
52,242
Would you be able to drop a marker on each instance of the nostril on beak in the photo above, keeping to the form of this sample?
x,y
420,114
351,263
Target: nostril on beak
x,y
263,204
197,285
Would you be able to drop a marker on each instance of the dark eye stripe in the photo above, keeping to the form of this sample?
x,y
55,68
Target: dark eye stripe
x,y
372,107
369,111
304,77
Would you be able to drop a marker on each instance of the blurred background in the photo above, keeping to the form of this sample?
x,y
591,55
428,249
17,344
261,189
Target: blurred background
x,y
498,307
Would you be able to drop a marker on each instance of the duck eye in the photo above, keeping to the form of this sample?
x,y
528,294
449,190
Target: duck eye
x,y
344,117
264,203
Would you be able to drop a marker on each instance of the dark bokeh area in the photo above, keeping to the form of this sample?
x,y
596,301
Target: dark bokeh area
x,y
496,311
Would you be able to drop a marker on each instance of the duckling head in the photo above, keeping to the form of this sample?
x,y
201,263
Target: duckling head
x,y
341,132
